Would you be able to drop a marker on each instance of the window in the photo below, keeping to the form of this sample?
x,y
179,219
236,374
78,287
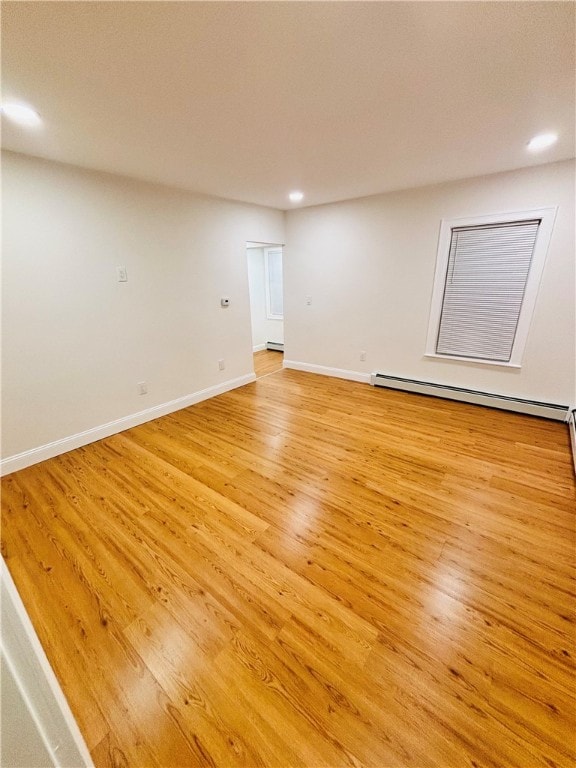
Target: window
x,y
487,274
274,291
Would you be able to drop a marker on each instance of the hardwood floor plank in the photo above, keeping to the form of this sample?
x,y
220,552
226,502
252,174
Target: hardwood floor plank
x,y
267,361
309,572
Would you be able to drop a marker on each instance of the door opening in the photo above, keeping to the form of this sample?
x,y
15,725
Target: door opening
x,y
265,282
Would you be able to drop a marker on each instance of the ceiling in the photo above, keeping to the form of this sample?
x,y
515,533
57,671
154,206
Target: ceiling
x,y
250,100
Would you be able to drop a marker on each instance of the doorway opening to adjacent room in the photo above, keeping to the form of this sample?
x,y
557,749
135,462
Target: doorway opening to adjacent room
x,y
265,281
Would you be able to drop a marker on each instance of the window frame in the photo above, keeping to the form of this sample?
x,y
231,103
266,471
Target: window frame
x,y
547,217
269,314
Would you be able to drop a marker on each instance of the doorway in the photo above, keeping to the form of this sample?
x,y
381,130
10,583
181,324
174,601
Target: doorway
x,y
265,282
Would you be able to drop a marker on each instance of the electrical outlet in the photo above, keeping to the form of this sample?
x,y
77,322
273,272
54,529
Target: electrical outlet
x,y
308,300
221,365
122,274
362,355
142,388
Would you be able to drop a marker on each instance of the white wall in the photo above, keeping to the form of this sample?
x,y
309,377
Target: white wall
x,y
368,266
22,745
263,329
76,341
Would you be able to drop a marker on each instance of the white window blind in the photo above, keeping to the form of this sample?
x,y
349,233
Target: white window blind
x,y
274,290
488,267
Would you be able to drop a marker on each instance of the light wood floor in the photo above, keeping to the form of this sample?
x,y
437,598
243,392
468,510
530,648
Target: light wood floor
x,y
308,572
267,361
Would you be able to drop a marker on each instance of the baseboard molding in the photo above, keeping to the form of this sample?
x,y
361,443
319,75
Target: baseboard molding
x,y
336,373
259,348
48,451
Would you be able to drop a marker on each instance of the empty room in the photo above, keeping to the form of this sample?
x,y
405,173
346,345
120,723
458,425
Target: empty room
x,y
288,384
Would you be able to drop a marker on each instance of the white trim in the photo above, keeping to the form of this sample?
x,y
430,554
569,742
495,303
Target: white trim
x,y
571,419
258,347
547,216
436,356
37,682
258,244
270,315
48,451
337,373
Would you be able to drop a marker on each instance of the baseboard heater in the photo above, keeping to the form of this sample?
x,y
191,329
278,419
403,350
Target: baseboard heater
x,y
531,407
275,345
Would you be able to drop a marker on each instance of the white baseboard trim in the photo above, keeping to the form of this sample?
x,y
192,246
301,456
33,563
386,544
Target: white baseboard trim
x,y
337,373
258,347
48,451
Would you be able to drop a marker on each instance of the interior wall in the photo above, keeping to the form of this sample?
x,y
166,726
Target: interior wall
x,y
77,341
359,274
263,329
22,745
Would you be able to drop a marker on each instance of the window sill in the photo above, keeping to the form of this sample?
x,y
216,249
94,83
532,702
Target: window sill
x,y
454,359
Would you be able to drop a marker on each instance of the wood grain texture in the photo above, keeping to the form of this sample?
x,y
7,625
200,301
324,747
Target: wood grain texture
x,y
309,572
267,361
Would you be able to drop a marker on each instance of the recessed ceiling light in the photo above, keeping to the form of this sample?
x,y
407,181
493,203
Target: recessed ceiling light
x,y
21,114
542,141
296,197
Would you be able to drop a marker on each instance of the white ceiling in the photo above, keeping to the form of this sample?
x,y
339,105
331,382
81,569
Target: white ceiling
x,y
249,100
